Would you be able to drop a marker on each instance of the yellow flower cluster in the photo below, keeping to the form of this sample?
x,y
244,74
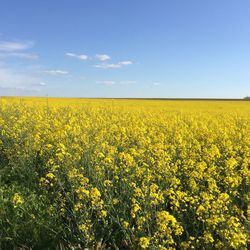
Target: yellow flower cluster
x,y
124,174
17,199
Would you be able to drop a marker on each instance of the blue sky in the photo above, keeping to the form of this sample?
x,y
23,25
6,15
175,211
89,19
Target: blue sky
x,y
129,48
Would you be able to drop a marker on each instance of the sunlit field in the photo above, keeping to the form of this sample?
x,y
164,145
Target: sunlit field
x,y
124,174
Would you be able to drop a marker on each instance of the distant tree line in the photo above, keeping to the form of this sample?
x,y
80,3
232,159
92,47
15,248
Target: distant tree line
x,y
247,98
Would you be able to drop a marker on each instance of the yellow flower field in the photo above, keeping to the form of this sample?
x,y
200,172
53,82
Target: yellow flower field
x,y
124,174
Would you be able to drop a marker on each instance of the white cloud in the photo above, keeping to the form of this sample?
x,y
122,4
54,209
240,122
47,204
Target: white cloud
x,y
113,65
16,50
102,57
19,90
81,57
56,72
156,83
42,84
107,83
111,83
125,63
11,79
70,54
8,46
107,66
29,56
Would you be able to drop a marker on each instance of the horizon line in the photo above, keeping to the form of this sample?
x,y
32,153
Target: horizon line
x,y
140,98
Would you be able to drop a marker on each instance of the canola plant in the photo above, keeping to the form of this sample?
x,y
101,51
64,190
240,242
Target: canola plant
x,y
124,174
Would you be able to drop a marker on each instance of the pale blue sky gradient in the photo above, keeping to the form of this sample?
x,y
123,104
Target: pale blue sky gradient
x,y
129,48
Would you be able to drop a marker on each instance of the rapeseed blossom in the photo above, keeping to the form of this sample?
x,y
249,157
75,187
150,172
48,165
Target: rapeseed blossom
x,y
126,174
17,199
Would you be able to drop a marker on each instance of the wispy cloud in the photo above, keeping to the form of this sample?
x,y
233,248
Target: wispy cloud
x,y
15,80
113,65
22,55
125,63
17,50
107,83
42,84
81,56
111,83
8,46
156,83
102,57
107,66
19,90
56,72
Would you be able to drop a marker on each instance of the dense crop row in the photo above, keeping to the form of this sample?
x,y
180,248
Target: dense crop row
x,y
116,174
